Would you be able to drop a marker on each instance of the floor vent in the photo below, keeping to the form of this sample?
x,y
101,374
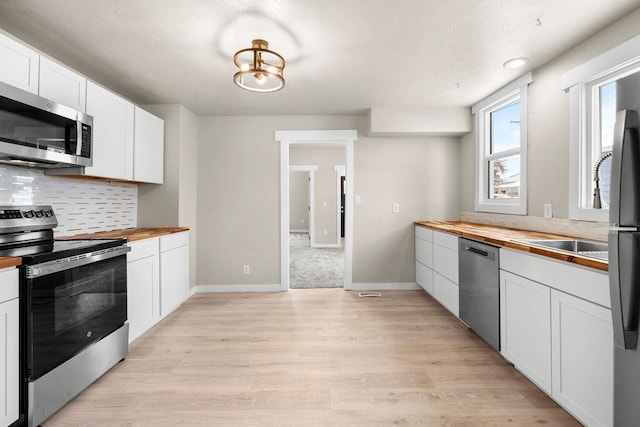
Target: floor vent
x,y
369,294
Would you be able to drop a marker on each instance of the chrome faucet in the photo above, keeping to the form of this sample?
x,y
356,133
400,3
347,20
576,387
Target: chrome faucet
x,y
597,201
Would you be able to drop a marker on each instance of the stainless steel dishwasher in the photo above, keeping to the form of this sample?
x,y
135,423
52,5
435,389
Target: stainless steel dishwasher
x,y
480,289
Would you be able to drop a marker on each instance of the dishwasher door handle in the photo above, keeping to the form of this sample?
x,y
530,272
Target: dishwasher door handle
x,y
477,251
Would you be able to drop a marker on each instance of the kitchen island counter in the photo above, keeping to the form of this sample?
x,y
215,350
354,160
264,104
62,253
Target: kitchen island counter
x,y
507,237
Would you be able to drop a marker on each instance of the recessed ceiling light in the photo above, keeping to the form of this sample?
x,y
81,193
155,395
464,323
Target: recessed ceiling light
x,y
516,62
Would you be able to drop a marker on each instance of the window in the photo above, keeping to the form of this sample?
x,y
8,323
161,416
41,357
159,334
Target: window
x,y
593,103
501,141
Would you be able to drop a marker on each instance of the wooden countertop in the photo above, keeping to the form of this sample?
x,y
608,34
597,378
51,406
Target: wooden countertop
x,y
502,236
6,262
131,234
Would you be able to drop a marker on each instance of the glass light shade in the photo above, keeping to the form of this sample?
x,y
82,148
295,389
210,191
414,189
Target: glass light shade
x,y
260,69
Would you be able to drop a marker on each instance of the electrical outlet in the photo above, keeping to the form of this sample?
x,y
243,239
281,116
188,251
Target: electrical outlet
x,y
548,210
395,208
357,200
325,232
246,269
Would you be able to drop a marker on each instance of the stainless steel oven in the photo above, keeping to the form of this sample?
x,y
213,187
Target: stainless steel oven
x,y
73,308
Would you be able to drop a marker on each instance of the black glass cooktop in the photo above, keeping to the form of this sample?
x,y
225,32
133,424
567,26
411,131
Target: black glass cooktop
x,y
56,249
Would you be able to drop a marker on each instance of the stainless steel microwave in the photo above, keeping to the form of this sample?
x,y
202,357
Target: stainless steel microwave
x,y
35,131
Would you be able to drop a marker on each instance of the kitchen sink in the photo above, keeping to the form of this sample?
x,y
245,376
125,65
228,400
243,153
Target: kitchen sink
x,y
587,248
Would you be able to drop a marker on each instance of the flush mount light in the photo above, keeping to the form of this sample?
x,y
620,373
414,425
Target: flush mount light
x,y
516,62
260,68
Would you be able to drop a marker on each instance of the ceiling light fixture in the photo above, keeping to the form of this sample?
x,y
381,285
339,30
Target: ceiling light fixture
x,y
260,69
516,62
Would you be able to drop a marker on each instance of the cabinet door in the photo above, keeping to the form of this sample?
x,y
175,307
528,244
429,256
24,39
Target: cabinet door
x,y
582,358
445,262
9,364
174,278
446,292
112,134
525,327
148,145
143,295
62,85
424,277
19,65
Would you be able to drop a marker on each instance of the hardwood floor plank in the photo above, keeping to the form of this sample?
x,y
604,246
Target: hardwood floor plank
x,y
311,358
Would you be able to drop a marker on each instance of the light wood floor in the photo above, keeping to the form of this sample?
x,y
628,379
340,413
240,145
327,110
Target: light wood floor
x,y
311,357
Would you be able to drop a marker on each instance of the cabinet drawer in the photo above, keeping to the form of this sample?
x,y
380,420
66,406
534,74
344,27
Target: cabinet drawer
x,y
447,240
446,292
424,233
445,262
173,241
143,249
424,277
424,252
8,284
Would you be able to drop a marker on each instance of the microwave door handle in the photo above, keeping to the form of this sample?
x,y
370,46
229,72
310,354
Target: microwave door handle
x,y
78,138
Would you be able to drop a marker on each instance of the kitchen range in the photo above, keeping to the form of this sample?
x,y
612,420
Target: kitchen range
x,y
73,308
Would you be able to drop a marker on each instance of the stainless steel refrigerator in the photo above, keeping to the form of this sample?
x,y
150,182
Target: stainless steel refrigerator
x,y
624,251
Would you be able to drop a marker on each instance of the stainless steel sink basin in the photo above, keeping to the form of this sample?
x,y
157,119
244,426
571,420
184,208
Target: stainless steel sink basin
x,y
587,248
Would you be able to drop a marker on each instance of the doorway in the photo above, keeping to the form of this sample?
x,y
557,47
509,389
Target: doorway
x,y
286,139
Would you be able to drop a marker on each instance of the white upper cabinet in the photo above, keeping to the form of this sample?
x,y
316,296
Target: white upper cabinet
x,y
148,154
112,134
19,65
62,85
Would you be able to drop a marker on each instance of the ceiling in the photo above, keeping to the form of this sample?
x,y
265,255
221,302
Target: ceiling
x,y
343,56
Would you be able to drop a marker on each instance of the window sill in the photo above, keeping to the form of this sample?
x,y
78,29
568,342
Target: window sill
x,y
585,214
501,208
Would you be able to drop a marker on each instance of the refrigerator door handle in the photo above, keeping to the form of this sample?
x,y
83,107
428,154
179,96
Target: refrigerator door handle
x,y
624,285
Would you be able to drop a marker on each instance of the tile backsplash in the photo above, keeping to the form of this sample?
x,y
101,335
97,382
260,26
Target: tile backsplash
x,y
81,205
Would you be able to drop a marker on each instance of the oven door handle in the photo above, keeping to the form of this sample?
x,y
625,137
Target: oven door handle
x,y
55,266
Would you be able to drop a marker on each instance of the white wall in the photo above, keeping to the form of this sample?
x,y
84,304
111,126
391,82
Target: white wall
x,y
239,196
299,201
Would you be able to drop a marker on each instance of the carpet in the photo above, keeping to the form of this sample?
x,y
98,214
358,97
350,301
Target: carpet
x,y
314,267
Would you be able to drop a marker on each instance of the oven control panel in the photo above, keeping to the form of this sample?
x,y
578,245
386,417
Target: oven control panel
x,y
26,218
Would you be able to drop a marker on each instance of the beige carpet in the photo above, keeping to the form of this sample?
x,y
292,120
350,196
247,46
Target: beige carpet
x,y
314,267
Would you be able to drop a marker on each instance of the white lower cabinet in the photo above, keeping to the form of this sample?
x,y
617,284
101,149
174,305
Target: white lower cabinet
x,y
9,347
446,292
437,266
525,327
557,330
582,358
174,271
143,290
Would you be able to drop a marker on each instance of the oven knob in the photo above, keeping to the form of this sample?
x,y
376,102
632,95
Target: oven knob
x,y
28,214
39,214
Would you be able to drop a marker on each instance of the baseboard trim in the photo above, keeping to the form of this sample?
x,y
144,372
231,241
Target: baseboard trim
x,y
325,245
398,286
298,231
276,287
193,291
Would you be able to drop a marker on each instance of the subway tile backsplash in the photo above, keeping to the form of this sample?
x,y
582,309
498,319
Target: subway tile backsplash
x,y
81,205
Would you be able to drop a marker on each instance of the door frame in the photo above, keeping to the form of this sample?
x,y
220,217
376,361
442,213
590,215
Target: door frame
x,y
311,173
288,137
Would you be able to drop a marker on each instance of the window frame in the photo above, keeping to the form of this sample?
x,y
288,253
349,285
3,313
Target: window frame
x,y
482,129
582,83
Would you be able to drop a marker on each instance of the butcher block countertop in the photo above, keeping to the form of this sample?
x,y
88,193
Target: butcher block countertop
x,y
502,236
131,234
6,262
